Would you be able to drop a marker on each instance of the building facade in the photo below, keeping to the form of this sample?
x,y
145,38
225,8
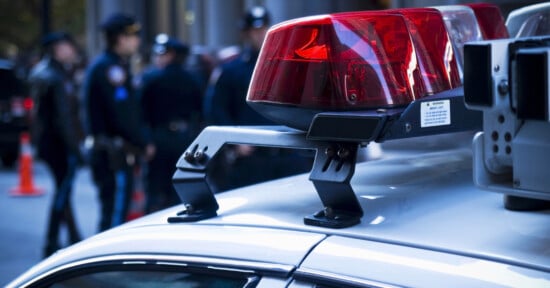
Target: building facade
x,y
213,24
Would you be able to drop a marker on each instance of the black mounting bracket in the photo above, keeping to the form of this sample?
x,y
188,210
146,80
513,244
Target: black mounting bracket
x,y
331,176
332,171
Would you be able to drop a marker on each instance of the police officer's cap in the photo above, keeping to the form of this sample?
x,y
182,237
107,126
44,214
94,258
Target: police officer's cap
x,y
120,23
255,17
165,43
56,37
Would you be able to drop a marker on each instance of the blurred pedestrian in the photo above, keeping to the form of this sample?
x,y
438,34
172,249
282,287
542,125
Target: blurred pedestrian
x,y
114,119
171,104
225,104
56,129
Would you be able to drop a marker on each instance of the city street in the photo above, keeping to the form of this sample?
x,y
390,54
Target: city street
x,y
24,219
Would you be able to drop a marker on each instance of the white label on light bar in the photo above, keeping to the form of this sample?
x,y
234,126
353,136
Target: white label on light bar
x,y
435,113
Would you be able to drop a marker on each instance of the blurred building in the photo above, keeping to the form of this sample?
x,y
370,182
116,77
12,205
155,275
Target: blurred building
x,y
213,23
205,23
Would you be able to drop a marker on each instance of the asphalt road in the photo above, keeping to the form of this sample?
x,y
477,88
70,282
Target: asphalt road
x,y
23,220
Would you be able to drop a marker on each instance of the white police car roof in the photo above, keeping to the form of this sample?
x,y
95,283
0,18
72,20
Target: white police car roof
x,y
424,220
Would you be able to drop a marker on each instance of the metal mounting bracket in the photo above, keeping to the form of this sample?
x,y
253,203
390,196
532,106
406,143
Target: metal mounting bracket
x,y
331,176
333,168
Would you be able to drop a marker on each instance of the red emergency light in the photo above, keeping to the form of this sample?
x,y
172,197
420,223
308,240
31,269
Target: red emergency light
x,y
351,61
490,20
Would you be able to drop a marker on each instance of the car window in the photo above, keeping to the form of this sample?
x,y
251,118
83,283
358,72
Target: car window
x,y
122,279
148,275
315,283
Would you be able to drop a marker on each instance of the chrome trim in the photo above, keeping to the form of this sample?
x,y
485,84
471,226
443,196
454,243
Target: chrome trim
x,y
134,263
203,262
308,274
231,269
171,263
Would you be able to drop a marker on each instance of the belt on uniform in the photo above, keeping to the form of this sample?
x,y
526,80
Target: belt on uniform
x,y
119,151
175,126
104,142
111,143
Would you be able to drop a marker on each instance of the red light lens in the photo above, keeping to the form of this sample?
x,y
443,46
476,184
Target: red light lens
x,y
490,20
339,61
353,61
434,49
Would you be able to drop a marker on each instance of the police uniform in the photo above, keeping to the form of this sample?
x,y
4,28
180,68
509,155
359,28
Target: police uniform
x,y
55,134
115,124
225,104
225,98
171,105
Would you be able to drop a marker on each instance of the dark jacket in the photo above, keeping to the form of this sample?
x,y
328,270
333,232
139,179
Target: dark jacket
x,y
171,105
56,126
168,95
225,101
112,105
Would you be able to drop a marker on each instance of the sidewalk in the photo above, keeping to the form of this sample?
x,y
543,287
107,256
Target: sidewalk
x,y
23,220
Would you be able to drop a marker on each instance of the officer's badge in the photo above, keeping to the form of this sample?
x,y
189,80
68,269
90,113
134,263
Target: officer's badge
x,y
116,75
121,93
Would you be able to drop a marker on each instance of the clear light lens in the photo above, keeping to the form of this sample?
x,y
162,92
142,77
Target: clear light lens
x,y
462,27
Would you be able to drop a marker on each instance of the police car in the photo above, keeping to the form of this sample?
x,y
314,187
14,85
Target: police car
x,y
435,211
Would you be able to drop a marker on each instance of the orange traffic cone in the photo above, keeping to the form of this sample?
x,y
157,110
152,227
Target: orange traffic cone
x,y
26,186
137,203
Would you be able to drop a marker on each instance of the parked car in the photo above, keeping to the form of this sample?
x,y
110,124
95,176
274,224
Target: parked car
x,y
15,113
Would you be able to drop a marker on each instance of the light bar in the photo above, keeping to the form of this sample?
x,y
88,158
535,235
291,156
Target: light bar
x,y
351,61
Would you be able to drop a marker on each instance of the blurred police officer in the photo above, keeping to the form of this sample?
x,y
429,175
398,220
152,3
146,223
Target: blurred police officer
x,y
225,99
114,119
56,130
171,104
225,104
